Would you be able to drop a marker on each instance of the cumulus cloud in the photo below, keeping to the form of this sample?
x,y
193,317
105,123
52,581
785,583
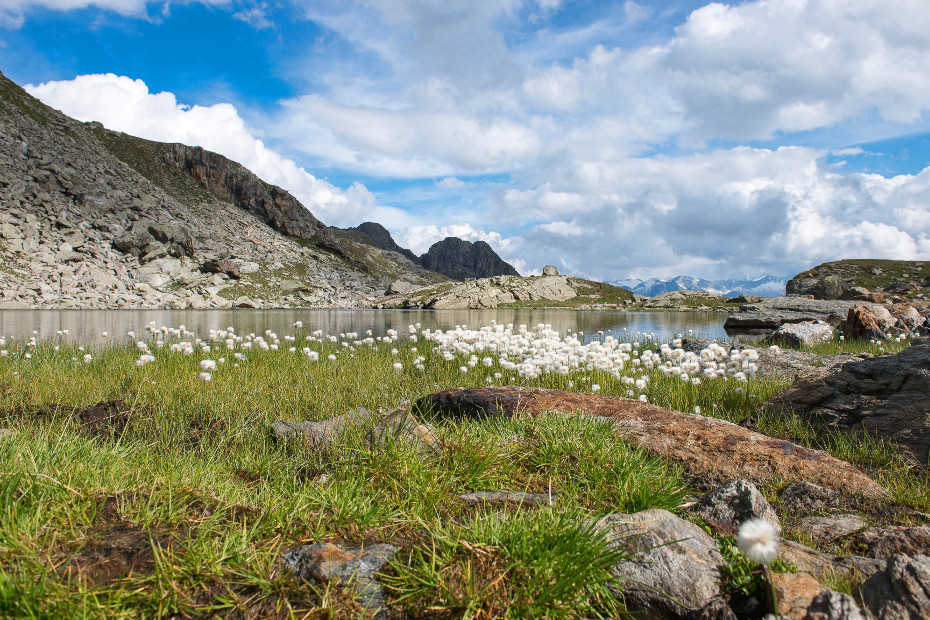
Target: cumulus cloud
x,y
124,104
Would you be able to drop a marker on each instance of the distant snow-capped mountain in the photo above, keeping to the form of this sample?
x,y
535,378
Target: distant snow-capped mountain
x,y
765,286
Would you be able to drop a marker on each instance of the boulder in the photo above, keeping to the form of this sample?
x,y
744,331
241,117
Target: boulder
x,y
773,312
822,564
801,334
399,286
733,503
293,286
245,302
826,287
550,270
664,549
222,265
886,396
716,449
901,591
868,323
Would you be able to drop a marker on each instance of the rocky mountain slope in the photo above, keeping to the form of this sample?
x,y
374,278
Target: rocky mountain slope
x,y
91,218
864,279
763,286
555,291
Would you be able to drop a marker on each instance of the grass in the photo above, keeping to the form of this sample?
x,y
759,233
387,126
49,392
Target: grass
x,y
183,503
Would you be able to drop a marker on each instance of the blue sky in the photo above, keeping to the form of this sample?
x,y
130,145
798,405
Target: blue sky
x,y
614,139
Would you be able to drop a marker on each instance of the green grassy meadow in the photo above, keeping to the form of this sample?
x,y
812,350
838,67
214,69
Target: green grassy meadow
x,y
183,504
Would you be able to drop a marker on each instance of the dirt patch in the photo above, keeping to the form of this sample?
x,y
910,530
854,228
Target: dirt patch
x,y
106,419
115,551
204,429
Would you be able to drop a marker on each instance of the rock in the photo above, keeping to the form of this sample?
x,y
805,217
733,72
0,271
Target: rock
x,y
826,287
293,286
461,260
822,564
883,543
154,251
828,529
67,256
248,267
857,293
14,304
831,605
399,286
805,497
245,302
508,498
399,426
868,323
773,312
901,591
325,563
733,503
887,396
716,609
794,593
320,435
801,334
713,448
550,270
665,548
222,265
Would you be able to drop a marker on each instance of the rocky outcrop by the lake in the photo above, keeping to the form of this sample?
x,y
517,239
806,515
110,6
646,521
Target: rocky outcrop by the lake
x,y
462,260
868,280
887,397
770,314
712,448
557,291
93,218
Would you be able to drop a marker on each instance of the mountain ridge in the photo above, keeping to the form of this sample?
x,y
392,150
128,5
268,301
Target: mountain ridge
x,y
764,286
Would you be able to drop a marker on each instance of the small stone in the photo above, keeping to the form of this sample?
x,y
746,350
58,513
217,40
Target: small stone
x,y
794,593
831,605
826,529
508,498
805,497
734,503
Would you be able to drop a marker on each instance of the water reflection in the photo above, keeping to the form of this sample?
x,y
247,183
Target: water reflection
x,y
88,325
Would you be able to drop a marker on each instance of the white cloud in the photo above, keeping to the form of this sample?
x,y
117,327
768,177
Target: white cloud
x,y
451,183
124,104
255,16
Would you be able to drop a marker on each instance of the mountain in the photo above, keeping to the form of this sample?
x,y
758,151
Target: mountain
x,y
765,286
376,235
92,218
463,260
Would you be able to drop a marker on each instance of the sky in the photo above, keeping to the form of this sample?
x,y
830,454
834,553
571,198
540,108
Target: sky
x,y
615,140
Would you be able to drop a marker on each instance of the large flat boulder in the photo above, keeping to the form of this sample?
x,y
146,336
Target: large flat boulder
x,y
774,312
887,396
716,449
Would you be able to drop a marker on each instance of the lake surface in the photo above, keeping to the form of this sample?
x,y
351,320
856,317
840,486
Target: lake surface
x,y
89,325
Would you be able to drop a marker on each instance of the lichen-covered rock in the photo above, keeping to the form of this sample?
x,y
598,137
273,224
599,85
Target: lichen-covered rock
x,y
801,334
735,502
887,396
901,591
673,570
550,270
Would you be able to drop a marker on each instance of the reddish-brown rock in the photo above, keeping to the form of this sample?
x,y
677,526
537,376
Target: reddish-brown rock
x,y
794,593
868,323
715,449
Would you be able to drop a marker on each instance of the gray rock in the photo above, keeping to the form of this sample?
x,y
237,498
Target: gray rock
x,y
734,503
222,265
293,286
550,270
801,334
665,548
399,286
67,256
827,529
885,542
803,497
399,426
857,293
901,591
887,396
245,302
325,563
319,435
771,313
832,605
508,498
819,563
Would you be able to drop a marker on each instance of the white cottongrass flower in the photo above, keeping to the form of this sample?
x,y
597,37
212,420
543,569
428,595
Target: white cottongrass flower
x,y
595,387
331,357
205,376
758,541
87,358
207,365
398,366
